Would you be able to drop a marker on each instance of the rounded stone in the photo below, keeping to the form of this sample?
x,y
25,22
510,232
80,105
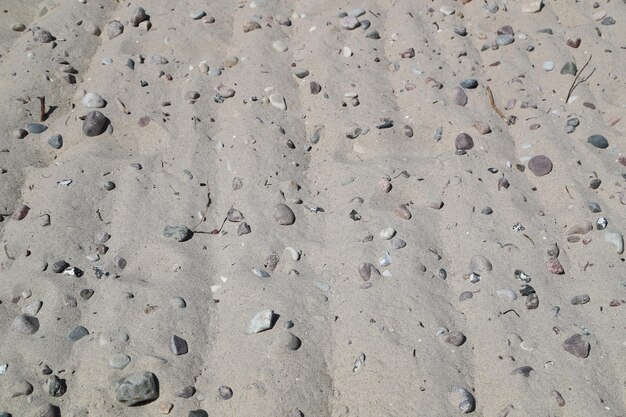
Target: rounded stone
x,y
56,141
93,101
463,142
479,263
540,165
283,215
459,97
598,141
36,128
455,338
95,123
469,83
77,333
291,341
119,361
548,65
577,346
25,324
137,388
226,393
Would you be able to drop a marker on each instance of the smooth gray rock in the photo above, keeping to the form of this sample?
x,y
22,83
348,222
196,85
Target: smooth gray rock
x,y
178,233
77,333
114,29
598,141
138,16
95,123
56,141
577,346
137,388
505,39
291,341
93,101
119,361
569,68
479,263
284,215
260,322
36,128
463,142
469,83
25,324
455,338
459,97
178,345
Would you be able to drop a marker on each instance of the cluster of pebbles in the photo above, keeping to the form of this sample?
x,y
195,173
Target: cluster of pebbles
x,y
247,209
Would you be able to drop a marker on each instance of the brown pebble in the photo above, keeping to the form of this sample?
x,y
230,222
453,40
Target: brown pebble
x,y
463,142
555,267
403,212
21,212
559,398
455,338
408,132
459,97
384,184
482,128
315,87
573,42
577,346
408,53
540,165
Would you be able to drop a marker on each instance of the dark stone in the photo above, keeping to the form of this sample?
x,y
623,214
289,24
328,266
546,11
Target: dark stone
x,y
186,392
77,333
598,141
608,21
198,413
469,83
60,266
86,294
56,386
137,389
226,393
178,345
56,141
95,123
540,165
463,142
577,346
569,68
178,233
36,128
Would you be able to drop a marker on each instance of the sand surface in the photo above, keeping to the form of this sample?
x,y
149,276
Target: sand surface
x,y
212,117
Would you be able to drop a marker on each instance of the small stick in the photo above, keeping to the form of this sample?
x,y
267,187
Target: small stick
x,y
42,108
493,105
206,208
576,84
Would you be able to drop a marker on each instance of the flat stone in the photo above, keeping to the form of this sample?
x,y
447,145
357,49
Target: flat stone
x,y
138,16
32,309
178,345
119,361
301,72
598,141
77,333
532,6
470,83
280,46
577,346
580,299
479,263
198,413
505,39
199,14
349,23
283,215
455,338
554,266
114,29
95,123
540,165
278,101
56,386
290,341
226,393
548,65
569,68
463,142
250,26
178,302
19,388
178,233
25,324
137,388
459,97
260,322
93,101
36,128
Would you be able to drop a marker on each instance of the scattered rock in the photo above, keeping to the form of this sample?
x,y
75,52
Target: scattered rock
x,y
260,322
577,346
137,389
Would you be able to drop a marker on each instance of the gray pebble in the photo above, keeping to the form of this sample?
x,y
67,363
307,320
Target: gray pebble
x,y
178,345
198,413
36,128
59,266
594,207
291,341
373,34
283,215
569,68
109,185
56,386
137,388
463,142
487,211
608,21
197,14
119,361
469,83
25,324
186,392
580,299
459,97
114,29
598,141
178,233
577,346
77,333
56,141
226,393
455,338
260,322
95,123
505,39
138,16
178,302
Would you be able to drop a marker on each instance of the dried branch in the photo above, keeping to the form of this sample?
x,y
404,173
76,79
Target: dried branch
x,y
493,105
575,83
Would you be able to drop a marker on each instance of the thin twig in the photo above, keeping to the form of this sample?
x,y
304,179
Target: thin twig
x,y
493,105
42,108
206,208
576,84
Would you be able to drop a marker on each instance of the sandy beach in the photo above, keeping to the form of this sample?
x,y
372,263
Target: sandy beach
x,y
312,208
